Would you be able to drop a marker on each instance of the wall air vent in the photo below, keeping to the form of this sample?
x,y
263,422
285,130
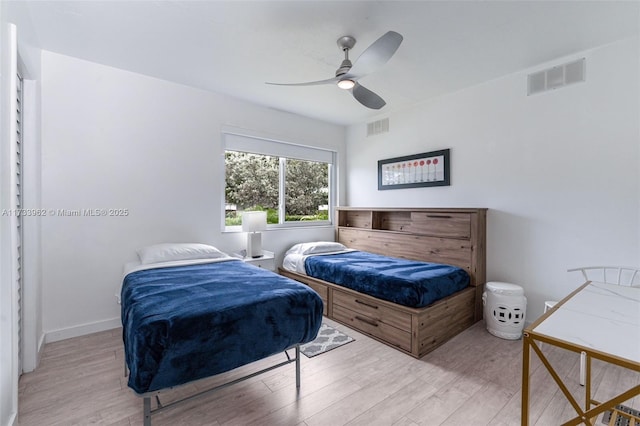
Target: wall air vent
x,y
377,127
556,77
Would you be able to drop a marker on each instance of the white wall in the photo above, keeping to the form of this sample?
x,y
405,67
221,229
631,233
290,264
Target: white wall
x,y
115,139
558,170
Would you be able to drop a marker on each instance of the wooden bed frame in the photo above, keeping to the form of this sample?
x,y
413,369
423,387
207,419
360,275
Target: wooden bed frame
x,y
455,236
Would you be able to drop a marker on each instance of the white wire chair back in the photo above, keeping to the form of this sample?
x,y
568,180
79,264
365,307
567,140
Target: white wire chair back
x,y
620,275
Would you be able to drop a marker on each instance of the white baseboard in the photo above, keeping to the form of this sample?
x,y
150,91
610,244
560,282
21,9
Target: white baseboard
x,y
81,330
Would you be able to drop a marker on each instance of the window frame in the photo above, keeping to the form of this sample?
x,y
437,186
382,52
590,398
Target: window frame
x,y
250,142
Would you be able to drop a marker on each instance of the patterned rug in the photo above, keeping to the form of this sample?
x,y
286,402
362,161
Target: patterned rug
x,y
328,338
621,420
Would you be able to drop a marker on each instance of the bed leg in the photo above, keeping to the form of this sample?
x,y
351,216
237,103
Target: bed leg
x,y
146,404
297,366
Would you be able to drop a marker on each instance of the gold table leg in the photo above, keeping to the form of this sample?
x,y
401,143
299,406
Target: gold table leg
x,y
525,379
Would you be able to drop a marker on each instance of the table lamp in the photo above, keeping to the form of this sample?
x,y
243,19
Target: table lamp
x,y
253,222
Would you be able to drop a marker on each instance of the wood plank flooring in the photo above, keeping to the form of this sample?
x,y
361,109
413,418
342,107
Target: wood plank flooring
x,y
473,379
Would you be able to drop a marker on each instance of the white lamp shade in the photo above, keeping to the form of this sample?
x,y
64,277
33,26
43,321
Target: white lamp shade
x,y
254,221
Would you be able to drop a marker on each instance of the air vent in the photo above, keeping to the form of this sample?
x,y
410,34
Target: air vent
x,y
377,127
556,77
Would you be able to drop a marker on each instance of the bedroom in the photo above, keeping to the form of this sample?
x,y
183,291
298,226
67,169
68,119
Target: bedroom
x,y
558,171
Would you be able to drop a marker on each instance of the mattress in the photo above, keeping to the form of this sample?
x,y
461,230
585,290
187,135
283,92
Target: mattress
x,y
406,282
183,323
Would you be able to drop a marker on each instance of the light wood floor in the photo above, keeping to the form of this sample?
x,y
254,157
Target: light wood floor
x,y
472,380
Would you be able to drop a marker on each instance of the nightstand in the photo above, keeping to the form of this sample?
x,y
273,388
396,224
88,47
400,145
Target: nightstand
x,y
265,261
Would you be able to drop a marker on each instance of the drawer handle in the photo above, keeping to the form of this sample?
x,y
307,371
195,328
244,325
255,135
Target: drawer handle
x,y
366,304
366,321
439,216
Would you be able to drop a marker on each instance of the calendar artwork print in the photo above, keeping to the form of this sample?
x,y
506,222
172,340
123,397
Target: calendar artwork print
x,y
413,171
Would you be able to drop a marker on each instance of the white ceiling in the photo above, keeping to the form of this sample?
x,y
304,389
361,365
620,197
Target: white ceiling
x,y
234,47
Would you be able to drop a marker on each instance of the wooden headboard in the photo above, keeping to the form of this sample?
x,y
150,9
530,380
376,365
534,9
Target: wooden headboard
x,y
455,236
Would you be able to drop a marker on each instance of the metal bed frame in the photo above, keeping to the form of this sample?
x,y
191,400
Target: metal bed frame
x,y
146,402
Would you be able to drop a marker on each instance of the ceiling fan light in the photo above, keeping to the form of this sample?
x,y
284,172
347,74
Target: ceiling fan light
x,y
346,84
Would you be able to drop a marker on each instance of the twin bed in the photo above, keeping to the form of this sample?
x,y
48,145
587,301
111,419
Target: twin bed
x,y
190,311
426,318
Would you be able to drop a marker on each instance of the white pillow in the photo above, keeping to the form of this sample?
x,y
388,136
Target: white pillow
x,y
177,251
316,247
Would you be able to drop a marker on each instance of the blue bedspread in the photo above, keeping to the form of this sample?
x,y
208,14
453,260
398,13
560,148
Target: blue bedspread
x,y
189,322
405,282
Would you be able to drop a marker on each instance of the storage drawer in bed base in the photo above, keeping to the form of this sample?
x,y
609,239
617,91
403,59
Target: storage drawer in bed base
x,y
375,328
373,310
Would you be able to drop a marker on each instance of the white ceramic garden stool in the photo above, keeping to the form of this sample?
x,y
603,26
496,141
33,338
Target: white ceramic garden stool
x,y
505,308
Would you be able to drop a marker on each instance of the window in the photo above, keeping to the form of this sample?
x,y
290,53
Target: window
x,y
292,183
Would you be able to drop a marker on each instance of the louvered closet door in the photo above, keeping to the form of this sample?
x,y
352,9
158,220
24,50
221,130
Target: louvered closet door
x,y
19,219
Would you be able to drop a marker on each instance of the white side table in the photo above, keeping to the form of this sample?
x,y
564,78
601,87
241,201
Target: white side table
x,y
266,261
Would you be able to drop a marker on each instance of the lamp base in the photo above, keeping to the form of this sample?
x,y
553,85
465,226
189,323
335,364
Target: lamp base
x,y
254,244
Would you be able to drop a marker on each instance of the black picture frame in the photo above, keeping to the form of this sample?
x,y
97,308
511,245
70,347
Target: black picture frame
x,y
415,171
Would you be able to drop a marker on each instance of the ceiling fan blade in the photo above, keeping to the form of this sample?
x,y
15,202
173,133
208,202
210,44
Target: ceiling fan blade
x,y
366,97
333,80
376,55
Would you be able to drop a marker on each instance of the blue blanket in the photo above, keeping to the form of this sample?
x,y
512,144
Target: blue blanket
x,y
189,322
405,282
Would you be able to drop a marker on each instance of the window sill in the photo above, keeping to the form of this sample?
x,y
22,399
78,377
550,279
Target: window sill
x,y
281,227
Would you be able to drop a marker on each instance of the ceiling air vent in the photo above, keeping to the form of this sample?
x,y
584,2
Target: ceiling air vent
x,y
377,127
556,77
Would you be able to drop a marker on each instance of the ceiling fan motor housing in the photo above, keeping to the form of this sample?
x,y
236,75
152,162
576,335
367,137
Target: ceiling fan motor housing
x,y
345,66
345,43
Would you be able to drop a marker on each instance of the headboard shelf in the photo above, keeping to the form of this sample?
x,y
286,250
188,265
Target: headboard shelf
x,y
356,219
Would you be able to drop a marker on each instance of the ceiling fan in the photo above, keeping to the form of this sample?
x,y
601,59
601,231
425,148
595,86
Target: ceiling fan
x,y
370,60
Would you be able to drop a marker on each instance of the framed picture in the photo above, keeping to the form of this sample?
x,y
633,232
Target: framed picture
x,y
413,171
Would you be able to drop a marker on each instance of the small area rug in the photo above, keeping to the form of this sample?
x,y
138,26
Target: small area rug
x,y
621,420
328,338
